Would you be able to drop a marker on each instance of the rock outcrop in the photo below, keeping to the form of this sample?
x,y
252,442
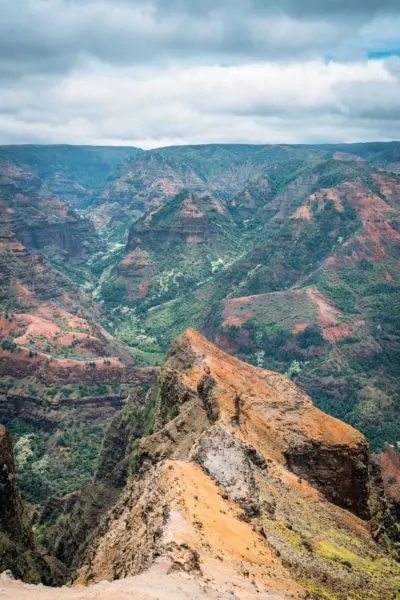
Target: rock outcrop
x,y
245,485
41,220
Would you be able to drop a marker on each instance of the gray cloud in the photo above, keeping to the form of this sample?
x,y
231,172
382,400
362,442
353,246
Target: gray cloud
x,y
53,36
152,72
265,102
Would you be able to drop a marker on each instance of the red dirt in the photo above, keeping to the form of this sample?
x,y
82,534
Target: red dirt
x,y
143,289
55,206
321,197
231,345
11,245
168,187
327,313
25,295
237,319
53,312
137,258
189,209
9,170
337,332
389,461
218,205
37,326
260,427
326,194
301,326
373,212
8,327
68,338
240,300
303,212
390,188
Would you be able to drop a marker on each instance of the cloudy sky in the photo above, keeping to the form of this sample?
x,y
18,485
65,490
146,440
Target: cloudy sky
x,y
153,73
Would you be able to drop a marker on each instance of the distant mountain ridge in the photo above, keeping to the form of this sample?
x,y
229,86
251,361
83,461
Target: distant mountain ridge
x,y
73,172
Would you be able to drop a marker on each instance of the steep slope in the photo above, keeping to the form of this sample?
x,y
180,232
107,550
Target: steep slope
x,y
45,223
339,252
18,550
75,173
286,256
314,290
247,487
172,249
62,375
148,180
389,464
66,524
385,155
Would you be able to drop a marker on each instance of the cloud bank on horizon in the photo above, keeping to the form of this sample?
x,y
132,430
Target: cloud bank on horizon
x,y
160,72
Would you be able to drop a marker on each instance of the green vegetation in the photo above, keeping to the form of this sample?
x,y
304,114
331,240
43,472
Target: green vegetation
x,y
261,252
86,166
54,462
144,348
9,345
29,386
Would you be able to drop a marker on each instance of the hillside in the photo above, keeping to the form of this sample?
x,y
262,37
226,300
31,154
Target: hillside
x,y
75,173
313,292
173,248
62,375
146,181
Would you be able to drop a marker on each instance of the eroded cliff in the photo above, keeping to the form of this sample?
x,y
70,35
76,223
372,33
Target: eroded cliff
x,y
246,486
18,549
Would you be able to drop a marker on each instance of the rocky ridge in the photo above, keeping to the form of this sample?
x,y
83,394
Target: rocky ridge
x,y
244,480
239,487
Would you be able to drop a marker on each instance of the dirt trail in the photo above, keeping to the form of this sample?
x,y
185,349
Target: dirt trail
x,y
154,584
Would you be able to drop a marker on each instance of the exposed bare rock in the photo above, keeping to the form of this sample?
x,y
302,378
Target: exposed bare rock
x,y
218,495
278,419
226,460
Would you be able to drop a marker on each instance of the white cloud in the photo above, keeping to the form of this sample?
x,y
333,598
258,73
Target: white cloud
x,y
286,102
151,71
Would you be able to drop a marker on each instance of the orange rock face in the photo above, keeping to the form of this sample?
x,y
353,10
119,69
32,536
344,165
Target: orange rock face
x,y
275,413
242,484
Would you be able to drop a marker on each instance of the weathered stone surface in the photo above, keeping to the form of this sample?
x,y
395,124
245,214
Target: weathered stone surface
x,y
224,490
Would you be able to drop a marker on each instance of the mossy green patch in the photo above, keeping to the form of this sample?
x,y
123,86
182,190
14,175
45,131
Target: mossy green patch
x,y
281,529
332,551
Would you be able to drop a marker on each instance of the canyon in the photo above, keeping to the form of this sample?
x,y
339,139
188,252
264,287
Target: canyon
x,y
258,272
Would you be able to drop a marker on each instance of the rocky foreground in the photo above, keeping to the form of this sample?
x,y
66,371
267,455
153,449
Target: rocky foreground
x,y
243,490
